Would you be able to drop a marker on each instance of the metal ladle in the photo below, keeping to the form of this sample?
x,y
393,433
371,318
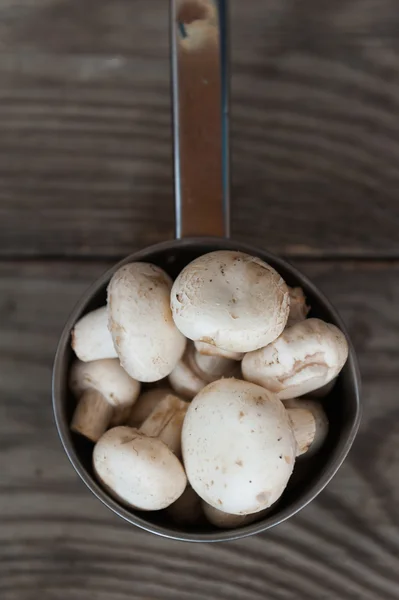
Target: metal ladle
x,y
200,109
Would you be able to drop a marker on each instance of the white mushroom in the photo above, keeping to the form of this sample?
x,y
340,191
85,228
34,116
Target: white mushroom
x,y
211,350
309,423
145,404
212,368
105,394
166,422
91,338
195,370
148,343
298,306
231,300
224,520
139,471
238,446
187,509
304,357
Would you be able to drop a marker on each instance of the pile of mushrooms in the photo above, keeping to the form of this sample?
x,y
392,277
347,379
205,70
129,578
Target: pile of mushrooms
x,y
200,395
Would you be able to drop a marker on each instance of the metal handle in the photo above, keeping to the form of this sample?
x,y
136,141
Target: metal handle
x,y
200,84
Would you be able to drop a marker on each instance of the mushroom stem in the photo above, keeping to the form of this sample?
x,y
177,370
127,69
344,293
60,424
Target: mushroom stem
x,y
144,406
171,434
166,422
92,415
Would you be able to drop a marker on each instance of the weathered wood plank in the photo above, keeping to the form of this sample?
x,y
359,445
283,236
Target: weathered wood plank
x,y
57,541
85,137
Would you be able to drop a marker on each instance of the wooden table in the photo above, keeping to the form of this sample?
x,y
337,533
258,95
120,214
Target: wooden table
x,y
86,177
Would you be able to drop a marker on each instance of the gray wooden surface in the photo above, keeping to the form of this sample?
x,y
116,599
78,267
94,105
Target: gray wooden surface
x,y
85,177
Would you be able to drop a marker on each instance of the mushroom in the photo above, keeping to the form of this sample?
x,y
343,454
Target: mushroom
x,y
139,471
211,350
166,422
187,509
298,306
309,423
211,368
105,394
224,520
230,300
195,370
148,343
145,404
184,381
91,338
305,357
238,446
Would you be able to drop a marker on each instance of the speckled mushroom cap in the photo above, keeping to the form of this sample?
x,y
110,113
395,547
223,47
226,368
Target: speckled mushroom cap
x,y
238,446
305,357
148,343
137,470
231,300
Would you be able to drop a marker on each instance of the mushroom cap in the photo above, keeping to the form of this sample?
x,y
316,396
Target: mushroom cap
x,y
139,471
211,350
211,368
238,446
107,377
91,338
231,300
184,380
145,404
171,433
148,343
224,520
195,370
305,357
319,426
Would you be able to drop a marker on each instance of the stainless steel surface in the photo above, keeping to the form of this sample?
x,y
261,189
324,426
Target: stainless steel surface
x,y
200,93
309,478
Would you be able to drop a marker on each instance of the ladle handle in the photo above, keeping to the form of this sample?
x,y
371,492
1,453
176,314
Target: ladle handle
x,y
200,86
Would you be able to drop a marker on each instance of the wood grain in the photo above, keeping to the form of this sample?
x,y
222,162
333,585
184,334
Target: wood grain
x,y
57,541
85,136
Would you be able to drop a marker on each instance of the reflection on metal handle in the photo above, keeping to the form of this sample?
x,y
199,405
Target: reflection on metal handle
x,y
200,84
